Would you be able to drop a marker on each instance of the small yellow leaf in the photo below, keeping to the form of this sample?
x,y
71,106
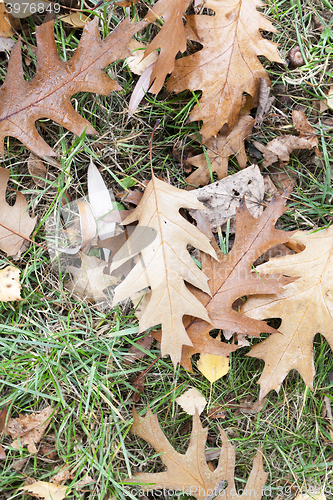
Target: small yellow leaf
x,y
77,19
10,284
49,491
213,367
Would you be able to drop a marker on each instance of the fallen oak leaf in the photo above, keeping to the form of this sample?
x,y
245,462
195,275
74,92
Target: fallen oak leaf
x,y
189,472
218,150
48,93
48,491
306,308
227,65
230,278
170,40
165,264
29,428
15,223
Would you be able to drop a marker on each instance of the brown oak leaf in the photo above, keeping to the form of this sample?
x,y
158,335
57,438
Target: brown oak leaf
x,y
306,308
218,150
190,472
227,65
170,40
48,93
230,278
15,222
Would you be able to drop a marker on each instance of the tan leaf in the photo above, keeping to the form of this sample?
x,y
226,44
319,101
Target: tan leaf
x,y
280,148
231,278
7,21
222,198
189,472
89,280
191,401
165,264
76,19
305,307
10,284
48,93
15,218
137,63
218,150
212,366
171,39
48,491
227,65
37,170
63,475
29,428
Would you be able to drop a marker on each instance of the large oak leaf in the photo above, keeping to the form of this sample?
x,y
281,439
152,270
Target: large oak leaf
x,y
189,472
165,264
230,278
227,65
305,306
48,93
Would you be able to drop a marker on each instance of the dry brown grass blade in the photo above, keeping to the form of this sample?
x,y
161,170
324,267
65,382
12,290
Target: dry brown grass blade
x,y
189,472
306,308
227,65
48,93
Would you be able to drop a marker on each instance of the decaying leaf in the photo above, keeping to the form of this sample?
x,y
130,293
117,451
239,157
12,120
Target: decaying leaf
x,y
213,366
76,19
135,352
192,401
218,150
89,280
231,278
29,428
10,284
170,40
280,148
137,63
6,22
37,170
15,222
227,65
48,491
222,198
305,306
265,102
48,93
3,416
165,264
189,472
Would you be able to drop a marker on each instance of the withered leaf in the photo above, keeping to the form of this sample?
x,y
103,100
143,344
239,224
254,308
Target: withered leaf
x,y
10,284
135,352
29,428
231,278
48,491
218,150
165,264
189,472
227,65
191,401
48,93
170,40
305,306
280,148
3,416
15,218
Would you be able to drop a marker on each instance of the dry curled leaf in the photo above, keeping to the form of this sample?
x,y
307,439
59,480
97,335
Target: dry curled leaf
x,y
137,63
230,278
165,264
305,307
191,401
227,65
280,148
29,428
15,222
170,40
189,472
218,150
10,284
48,491
89,280
222,198
48,93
